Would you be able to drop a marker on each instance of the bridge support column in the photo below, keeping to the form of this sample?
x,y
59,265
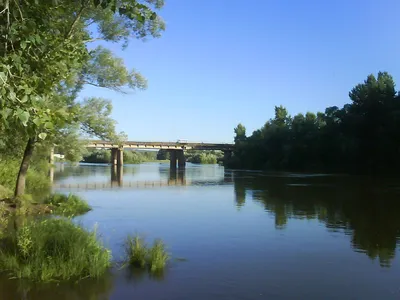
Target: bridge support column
x,y
117,157
120,157
172,159
114,154
181,159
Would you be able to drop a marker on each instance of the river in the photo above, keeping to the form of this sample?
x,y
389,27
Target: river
x,y
237,234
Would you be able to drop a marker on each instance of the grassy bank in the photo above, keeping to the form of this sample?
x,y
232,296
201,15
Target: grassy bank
x,y
67,205
53,249
56,204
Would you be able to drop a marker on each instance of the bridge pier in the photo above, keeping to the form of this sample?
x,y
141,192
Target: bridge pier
x,y
181,159
117,157
177,156
172,160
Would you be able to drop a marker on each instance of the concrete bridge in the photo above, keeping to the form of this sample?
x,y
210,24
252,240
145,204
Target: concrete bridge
x,y
176,149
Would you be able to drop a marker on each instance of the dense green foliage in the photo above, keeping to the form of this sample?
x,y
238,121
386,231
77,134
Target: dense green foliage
x,y
203,157
140,256
130,157
163,154
38,182
46,58
53,249
67,205
362,136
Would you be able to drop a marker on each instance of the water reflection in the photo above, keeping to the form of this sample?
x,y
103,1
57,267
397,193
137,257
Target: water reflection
x,y
365,209
88,289
103,176
287,236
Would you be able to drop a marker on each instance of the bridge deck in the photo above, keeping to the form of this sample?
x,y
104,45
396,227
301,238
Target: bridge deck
x,y
162,145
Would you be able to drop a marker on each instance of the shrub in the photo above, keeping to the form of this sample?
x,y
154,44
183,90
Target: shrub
x,y
53,249
5,192
71,205
4,212
140,256
37,179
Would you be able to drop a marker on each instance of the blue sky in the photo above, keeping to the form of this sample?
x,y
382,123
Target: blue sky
x,y
221,62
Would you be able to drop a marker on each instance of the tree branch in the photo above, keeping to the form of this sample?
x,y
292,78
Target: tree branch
x,y
106,87
93,40
75,22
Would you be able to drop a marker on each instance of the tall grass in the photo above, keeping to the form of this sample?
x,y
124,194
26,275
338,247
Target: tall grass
x,y
52,250
136,251
140,256
157,256
67,205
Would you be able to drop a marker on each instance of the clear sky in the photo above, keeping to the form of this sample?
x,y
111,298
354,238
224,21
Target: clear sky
x,y
221,62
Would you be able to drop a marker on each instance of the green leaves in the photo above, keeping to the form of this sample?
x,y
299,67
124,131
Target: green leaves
x,y
23,116
42,135
3,78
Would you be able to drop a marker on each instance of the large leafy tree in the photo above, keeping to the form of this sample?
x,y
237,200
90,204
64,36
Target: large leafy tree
x,y
45,60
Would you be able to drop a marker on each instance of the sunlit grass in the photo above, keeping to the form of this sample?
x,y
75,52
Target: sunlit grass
x,y
136,251
54,249
157,256
68,205
139,255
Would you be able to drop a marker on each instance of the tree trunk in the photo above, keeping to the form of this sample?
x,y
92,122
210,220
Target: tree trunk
x,y
23,169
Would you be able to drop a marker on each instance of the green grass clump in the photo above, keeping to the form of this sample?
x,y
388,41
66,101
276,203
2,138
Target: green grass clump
x,y
68,205
140,256
158,256
136,251
53,250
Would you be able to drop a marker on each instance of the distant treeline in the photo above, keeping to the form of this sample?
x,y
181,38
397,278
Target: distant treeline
x,y
195,156
130,157
361,137
204,157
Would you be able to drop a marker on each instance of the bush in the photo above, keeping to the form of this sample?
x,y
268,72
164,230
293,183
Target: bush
x,y
5,192
140,256
53,249
4,212
71,205
37,179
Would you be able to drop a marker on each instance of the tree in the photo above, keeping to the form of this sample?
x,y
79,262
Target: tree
x,y
361,137
162,154
240,132
44,63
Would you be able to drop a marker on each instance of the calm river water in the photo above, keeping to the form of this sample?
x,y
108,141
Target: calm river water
x,y
237,234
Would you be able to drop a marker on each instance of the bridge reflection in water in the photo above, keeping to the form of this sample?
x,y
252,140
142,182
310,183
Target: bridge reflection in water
x,y
168,177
